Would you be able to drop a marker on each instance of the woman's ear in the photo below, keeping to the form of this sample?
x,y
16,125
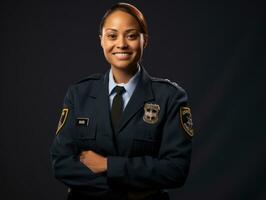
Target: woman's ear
x,y
146,39
100,36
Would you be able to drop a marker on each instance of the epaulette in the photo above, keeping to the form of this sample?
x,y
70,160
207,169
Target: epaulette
x,y
90,77
163,80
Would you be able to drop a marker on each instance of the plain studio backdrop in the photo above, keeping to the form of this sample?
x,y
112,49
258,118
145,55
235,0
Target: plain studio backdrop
x,y
215,50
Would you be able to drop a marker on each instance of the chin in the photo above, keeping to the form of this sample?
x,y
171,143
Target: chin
x,y
123,66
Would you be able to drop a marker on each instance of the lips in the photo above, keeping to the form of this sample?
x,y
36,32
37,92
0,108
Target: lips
x,y
122,55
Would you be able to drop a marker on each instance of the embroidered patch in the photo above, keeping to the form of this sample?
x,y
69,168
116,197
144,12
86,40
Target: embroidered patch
x,y
62,119
82,121
151,113
186,120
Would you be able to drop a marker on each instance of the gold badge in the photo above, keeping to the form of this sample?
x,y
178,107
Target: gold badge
x,y
62,119
151,113
186,120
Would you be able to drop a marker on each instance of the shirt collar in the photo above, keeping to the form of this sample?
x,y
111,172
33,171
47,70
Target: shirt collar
x,y
129,86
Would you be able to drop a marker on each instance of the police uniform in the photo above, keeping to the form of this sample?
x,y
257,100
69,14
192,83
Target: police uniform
x,y
148,152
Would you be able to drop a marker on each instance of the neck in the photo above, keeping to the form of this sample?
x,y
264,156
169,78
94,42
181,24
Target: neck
x,y
124,75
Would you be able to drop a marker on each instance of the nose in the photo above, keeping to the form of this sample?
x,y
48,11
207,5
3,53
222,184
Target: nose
x,y
122,43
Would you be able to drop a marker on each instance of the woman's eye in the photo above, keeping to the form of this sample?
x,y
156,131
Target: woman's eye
x,y
111,36
132,36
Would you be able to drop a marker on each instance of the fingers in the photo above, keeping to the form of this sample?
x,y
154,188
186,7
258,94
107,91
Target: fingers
x,y
82,155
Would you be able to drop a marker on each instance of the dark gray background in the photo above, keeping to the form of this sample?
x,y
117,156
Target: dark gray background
x,y
215,50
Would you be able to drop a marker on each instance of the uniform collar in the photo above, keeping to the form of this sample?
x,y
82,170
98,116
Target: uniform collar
x,y
129,86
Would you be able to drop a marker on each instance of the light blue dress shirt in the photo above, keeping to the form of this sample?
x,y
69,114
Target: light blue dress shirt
x,y
129,87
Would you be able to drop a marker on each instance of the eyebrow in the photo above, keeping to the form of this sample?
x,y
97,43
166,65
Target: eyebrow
x,y
128,30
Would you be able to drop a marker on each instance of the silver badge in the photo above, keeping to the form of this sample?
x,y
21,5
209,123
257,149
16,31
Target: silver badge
x,y
151,113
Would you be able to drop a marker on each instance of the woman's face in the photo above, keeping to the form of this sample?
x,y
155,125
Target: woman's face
x,y
122,41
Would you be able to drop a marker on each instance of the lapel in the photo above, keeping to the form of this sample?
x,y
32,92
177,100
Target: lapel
x,y
143,93
102,109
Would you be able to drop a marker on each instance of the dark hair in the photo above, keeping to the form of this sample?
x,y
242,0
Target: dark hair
x,y
130,9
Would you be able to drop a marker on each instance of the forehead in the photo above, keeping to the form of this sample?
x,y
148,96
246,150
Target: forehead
x,y
121,20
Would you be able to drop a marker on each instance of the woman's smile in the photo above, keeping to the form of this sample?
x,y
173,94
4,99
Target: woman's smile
x,y
122,55
122,41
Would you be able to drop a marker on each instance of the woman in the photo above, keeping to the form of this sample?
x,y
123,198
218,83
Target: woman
x,y
123,135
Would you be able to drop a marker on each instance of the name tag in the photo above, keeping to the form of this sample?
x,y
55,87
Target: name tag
x,y
82,121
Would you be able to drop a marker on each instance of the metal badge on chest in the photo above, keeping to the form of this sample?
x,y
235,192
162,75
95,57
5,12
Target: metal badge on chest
x,y
151,113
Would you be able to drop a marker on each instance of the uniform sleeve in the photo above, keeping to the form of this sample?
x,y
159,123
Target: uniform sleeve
x,y
65,154
169,169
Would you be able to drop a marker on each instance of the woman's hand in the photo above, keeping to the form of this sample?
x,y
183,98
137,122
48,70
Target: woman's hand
x,y
95,162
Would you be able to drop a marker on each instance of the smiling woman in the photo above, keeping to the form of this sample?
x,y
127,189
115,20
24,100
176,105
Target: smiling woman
x,y
123,135
123,34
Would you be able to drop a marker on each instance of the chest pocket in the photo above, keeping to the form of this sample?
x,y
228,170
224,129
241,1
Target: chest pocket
x,y
144,142
86,134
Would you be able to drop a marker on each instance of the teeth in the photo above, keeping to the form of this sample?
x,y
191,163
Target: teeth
x,y
122,53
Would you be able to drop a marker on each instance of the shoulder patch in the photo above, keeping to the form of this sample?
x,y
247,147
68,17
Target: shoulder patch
x,y
62,119
186,120
164,80
90,77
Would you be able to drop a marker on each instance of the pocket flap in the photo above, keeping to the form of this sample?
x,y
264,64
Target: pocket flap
x,y
86,131
145,135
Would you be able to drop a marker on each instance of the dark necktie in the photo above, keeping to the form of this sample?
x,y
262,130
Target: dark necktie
x,y
117,106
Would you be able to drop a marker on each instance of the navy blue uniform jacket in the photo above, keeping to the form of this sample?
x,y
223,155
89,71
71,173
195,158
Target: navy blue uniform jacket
x,y
140,155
